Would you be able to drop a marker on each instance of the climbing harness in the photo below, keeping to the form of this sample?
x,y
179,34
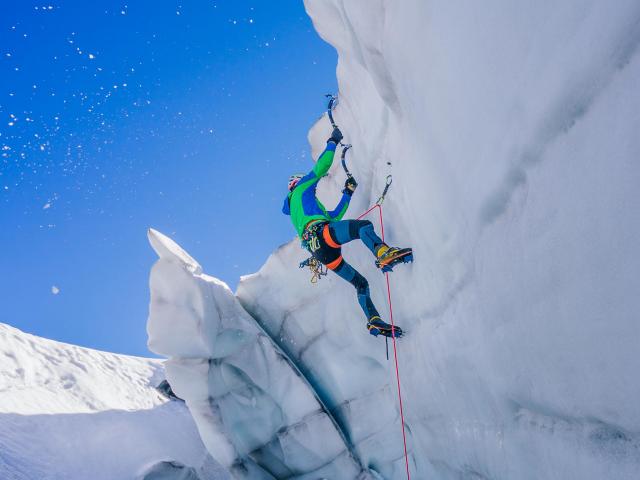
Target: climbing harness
x,y
310,237
318,270
311,243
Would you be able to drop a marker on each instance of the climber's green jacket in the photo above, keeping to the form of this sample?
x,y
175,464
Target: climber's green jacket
x,y
301,203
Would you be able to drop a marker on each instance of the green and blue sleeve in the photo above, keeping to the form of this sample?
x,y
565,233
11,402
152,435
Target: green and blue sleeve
x,y
323,164
338,212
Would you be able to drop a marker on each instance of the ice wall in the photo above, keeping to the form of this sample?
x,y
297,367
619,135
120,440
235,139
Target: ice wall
x,y
255,412
511,133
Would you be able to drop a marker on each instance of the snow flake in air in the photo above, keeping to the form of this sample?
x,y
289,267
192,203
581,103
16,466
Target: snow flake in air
x,y
55,290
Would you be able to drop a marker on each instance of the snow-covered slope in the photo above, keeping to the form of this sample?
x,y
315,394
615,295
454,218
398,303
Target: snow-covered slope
x,y
42,376
68,412
511,132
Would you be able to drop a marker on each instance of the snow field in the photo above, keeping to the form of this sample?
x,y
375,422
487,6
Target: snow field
x,y
73,413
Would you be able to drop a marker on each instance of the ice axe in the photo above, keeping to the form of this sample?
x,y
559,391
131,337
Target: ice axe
x,y
333,102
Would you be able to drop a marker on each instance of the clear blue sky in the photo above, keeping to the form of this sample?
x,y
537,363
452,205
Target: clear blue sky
x,y
116,116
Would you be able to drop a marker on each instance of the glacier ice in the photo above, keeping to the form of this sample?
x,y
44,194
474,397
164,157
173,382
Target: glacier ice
x,y
170,471
255,412
510,130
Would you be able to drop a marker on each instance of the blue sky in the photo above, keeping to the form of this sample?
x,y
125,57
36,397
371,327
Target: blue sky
x,y
187,117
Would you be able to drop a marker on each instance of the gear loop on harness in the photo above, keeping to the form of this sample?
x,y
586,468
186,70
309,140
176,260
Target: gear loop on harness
x,y
310,242
317,269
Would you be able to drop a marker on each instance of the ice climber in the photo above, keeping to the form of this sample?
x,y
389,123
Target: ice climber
x,y
323,233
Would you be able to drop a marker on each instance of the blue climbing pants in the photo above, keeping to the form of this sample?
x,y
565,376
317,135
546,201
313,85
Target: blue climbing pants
x,y
335,234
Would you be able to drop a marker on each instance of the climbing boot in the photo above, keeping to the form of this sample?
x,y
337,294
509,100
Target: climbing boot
x,y
388,256
377,327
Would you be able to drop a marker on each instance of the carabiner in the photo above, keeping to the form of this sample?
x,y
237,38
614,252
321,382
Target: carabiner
x,y
386,189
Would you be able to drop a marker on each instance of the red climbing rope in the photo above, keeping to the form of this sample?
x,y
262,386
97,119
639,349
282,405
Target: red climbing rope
x,y
395,351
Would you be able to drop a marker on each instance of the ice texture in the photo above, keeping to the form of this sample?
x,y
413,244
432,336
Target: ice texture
x,y
511,129
511,132
254,410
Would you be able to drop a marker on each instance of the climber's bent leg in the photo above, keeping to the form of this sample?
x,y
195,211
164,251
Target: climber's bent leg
x,y
361,285
345,231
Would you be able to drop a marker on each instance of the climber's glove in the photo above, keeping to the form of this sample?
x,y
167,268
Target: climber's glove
x,y
350,186
336,136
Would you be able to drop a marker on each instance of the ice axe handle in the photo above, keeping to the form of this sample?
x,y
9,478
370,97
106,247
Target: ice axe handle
x,y
343,160
332,102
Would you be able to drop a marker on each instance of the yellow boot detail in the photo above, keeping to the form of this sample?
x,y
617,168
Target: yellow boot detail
x,y
382,249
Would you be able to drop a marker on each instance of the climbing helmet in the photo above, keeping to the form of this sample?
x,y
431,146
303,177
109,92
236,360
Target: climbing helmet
x,y
294,179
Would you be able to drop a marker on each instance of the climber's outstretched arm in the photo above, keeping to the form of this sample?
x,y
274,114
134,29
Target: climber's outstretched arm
x,y
325,160
338,212
350,186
